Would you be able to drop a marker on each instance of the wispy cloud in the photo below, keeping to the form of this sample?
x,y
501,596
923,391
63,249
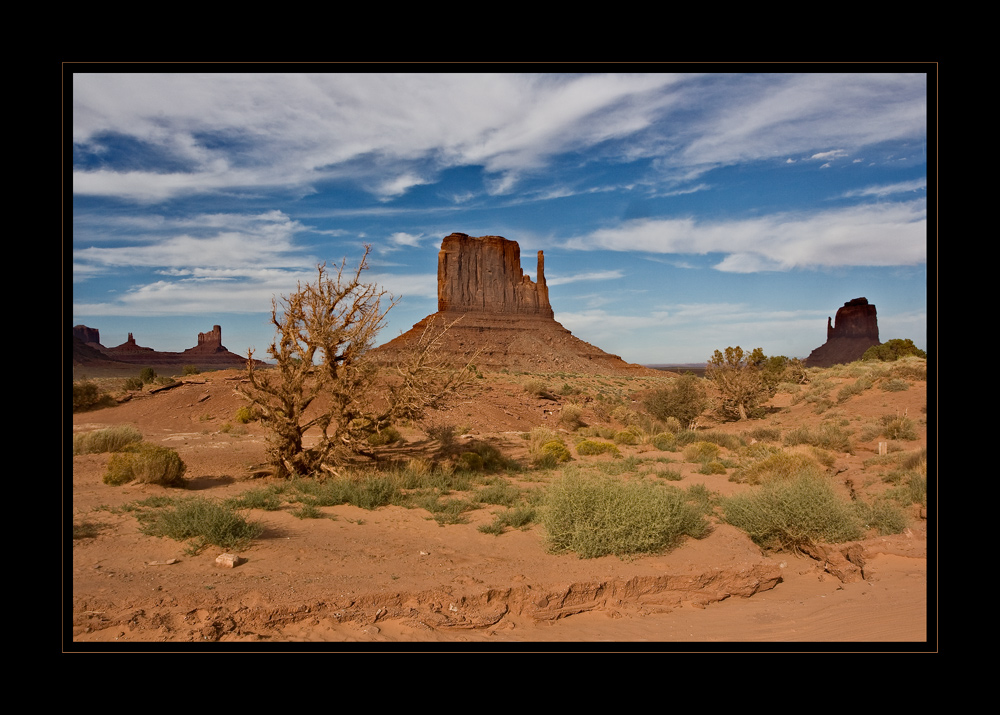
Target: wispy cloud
x,y
879,235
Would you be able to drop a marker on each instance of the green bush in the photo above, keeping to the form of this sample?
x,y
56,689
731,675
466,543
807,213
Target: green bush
x,y
470,462
204,522
132,383
571,417
790,515
684,400
775,465
664,441
628,436
895,385
147,464
701,452
86,396
555,450
245,415
590,447
191,370
147,374
516,518
882,515
600,516
712,467
110,439
893,350
829,436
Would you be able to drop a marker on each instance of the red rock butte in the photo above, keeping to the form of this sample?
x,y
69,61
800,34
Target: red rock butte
x,y
855,330
504,318
209,351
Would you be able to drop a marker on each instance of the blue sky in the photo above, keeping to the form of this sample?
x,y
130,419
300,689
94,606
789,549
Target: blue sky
x,y
679,213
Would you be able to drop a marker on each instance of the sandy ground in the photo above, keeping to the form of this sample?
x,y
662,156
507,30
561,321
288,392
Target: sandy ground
x,y
393,579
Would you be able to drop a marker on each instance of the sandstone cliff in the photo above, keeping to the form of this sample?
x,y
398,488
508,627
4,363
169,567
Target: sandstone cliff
x,y
504,318
855,330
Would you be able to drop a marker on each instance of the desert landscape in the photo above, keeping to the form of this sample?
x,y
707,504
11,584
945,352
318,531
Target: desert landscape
x,y
395,576
512,512
691,408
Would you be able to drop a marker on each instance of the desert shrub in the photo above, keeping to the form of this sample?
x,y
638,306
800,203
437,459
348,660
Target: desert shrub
x,y
86,396
502,493
701,452
883,515
553,452
895,385
763,434
110,439
387,435
828,436
537,388
443,511
147,464
629,435
245,415
893,350
912,491
492,458
590,447
147,374
776,465
132,383
599,516
855,388
307,510
745,380
190,370
664,441
516,518
684,400
899,428
723,439
202,522
712,467
267,499
470,462
790,515
909,368
625,415
571,417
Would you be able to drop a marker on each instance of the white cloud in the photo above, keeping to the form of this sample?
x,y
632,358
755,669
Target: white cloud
x,y
558,280
876,235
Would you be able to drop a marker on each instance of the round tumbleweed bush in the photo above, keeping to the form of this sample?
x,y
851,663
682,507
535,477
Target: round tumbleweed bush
x,y
147,464
598,516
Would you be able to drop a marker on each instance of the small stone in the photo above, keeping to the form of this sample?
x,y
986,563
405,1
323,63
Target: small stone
x,y
228,561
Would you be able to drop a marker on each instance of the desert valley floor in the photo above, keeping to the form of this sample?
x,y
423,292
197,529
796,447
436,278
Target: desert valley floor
x,y
394,578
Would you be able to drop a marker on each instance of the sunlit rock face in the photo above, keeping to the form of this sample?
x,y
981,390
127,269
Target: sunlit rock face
x,y
504,319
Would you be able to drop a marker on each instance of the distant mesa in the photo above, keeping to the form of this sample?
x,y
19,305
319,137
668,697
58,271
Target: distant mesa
x,y
209,352
505,319
855,330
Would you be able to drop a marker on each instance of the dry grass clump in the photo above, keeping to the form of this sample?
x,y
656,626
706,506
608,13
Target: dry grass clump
x,y
830,436
767,464
790,515
571,417
146,464
590,447
201,522
110,439
599,516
